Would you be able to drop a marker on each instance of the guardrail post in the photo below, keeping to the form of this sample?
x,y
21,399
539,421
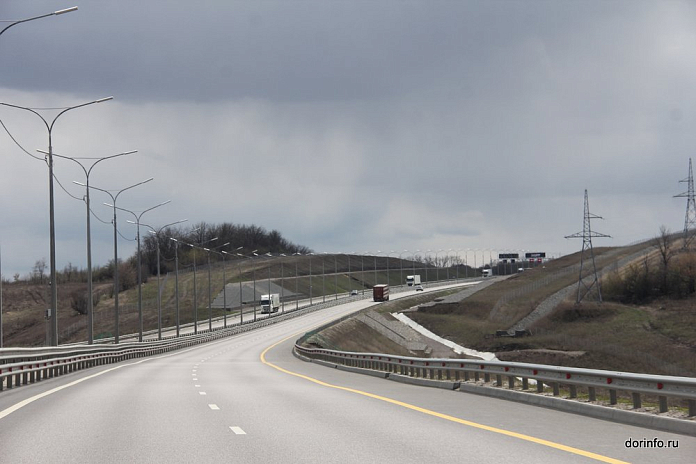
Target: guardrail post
x,y
592,392
511,382
525,383
498,380
556,389
466,376
663,404
612,397
692,408
487,377
477,376
540,386
573,391
9,382
636,400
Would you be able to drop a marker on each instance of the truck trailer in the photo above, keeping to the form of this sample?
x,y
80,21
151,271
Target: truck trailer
x,y
413,280
270,303
380,292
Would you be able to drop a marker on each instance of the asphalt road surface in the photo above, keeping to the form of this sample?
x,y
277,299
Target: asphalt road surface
x,y
248,399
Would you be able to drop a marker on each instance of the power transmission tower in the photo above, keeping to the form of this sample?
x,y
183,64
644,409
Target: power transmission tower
x,y
690,220
590,281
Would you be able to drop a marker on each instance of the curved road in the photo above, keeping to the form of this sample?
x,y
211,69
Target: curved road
x,y
248,399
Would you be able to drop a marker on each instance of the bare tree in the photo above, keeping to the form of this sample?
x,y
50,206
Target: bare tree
x,y
39,271
664,243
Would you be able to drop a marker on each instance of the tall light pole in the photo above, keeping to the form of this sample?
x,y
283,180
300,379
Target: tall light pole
x,y
401,274
195,290
270,302
241,302
52,226
437,266
282,283
210,288
140,274
159,289
310,277
378,252
414,262
362,270
224,285
350,281
388,256
55,13
323,279
176,284
336,275
116,287
297,293
90,303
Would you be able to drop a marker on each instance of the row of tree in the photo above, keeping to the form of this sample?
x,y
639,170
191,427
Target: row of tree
x,y
242,239
669,272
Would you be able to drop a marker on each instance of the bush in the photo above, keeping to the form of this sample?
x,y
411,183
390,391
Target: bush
x,y
79,302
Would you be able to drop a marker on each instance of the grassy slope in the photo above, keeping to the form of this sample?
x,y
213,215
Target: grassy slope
x,y
659,338
24,304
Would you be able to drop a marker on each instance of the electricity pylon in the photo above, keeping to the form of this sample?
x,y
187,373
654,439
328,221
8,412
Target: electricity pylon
x,y
690,220
590,281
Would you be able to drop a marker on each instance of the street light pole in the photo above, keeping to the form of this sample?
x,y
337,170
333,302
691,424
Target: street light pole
x,y
90,303
55,13
176,284
210,288
297,294
362,270
116,287
224,286
140,274
195,290
159,288
401,263
52,226
241,302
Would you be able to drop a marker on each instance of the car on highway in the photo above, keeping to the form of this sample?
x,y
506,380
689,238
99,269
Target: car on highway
x,y
419,288
353,292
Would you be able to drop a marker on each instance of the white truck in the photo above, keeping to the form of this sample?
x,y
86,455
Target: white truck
x,y
487,273
270,303
413,280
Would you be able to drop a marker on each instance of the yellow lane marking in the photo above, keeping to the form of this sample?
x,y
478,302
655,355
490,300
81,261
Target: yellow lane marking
x,y
521,436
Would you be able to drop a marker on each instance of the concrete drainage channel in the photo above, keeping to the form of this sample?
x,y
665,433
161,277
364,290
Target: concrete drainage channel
x,y
571,405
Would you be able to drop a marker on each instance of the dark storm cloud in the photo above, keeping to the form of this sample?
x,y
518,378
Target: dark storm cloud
x,y
376,124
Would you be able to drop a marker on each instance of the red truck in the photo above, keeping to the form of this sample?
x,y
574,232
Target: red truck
x,y
380,292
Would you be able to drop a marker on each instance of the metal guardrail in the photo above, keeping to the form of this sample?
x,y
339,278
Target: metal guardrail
x,y
663,387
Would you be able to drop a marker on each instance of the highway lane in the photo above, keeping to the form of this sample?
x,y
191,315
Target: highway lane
x,y
221,403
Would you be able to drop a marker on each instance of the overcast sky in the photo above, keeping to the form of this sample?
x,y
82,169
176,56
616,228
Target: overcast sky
x,y
351,125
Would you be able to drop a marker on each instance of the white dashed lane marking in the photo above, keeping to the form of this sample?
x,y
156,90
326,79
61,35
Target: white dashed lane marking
x,y
202,393
237,430
214,407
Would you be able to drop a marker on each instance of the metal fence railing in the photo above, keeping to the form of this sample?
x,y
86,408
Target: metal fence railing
x,y
662,387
